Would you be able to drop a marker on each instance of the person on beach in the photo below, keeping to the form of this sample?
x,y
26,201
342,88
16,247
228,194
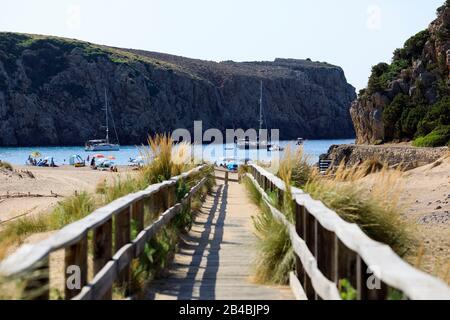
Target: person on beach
x,y
93,163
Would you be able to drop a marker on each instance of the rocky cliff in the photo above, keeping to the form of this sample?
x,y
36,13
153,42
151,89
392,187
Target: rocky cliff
x,y
409,98
51,93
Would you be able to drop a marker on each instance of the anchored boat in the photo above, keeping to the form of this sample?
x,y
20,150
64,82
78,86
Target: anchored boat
x,y
246,143
104,144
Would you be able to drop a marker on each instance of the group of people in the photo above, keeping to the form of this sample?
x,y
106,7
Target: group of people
x,y
94,166
41,162
49,162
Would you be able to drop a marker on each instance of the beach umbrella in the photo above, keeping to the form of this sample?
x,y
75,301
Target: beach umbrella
x,y
111,158
98,156
35,154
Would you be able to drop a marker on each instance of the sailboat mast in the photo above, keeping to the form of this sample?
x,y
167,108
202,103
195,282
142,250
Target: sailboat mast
x,y
260,108
106,112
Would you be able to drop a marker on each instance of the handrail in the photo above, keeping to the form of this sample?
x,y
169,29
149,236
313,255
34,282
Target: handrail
x,y
73,237
324,287
382,261
110,272
27,255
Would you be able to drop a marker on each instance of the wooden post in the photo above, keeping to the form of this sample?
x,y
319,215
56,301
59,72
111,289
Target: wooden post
x,y
103,249
162,199
335,260
122,232
325,251
37,283
152,205
280,197
75,268
137,214
348,265
308,234
378,289
171,196
299,270
226,177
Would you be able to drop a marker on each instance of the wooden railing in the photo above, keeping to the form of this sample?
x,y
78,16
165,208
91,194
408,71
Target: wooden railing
x,y
113,249
329,249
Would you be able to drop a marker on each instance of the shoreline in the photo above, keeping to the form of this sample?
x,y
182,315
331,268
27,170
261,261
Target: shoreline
x,y
63,181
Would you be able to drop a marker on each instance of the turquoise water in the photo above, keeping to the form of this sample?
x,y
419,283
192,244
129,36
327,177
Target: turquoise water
x,y
313,148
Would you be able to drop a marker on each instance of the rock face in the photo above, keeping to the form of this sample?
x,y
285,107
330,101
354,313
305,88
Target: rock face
x,y
393,155
52,93
419,71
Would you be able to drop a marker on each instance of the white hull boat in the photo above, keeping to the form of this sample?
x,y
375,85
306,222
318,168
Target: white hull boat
x,y
103,144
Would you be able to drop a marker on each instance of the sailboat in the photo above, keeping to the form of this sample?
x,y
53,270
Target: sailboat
x,y
103,144
246,143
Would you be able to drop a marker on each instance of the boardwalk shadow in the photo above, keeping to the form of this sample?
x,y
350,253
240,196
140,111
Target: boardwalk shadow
x,y
211,247
200,245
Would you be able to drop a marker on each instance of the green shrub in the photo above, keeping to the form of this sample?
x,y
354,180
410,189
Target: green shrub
x,y
438,137
438,115
410,120
413,47
376,83
392,116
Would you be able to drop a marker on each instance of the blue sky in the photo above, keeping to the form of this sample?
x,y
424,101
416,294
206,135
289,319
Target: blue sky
x,y
354,34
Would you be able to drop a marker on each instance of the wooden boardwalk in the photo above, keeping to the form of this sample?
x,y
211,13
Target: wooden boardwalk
x,y
215,258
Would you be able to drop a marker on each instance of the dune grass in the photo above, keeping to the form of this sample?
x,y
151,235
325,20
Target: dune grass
x,y
372,204
66,211
6,165
275,254
371,201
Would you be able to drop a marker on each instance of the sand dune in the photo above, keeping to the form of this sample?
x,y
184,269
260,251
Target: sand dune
x,y
63,181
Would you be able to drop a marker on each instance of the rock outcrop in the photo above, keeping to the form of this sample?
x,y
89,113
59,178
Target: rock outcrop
x,y
420,73
52,93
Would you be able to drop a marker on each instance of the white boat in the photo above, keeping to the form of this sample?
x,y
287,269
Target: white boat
x,y
103,144
246,143
275,148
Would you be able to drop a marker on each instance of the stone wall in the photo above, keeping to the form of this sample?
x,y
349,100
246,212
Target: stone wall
x,y
394,155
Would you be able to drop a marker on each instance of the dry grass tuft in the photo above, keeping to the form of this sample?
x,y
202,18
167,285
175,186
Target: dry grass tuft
x,y
275,254
361,197
6,165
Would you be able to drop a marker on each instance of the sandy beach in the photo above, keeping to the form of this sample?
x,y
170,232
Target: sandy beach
x,y
62,181
426,199
425,204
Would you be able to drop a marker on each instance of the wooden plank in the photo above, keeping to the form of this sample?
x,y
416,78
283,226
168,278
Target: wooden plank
x,y
75,267
103,249
215,260
137,215
122,237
